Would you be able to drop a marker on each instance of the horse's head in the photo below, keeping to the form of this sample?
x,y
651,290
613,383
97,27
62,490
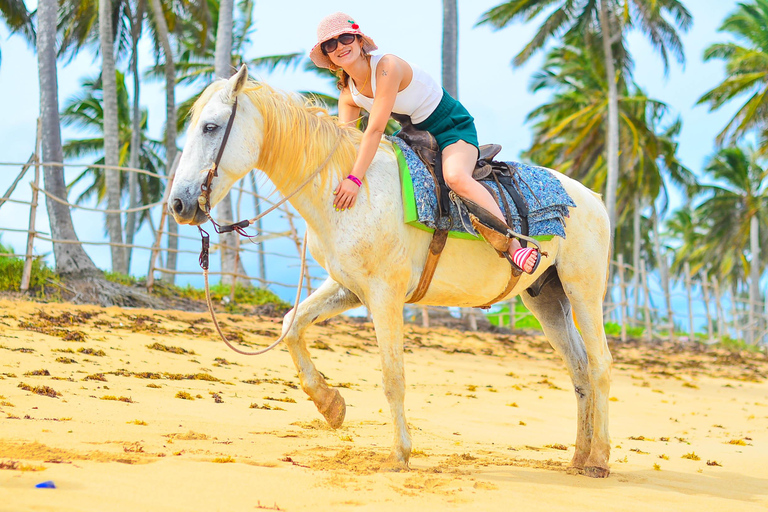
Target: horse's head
x,y
211,115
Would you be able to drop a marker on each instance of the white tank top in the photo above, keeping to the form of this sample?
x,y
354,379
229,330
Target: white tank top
x,y
418,100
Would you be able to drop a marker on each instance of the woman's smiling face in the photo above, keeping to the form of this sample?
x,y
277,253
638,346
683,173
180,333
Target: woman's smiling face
x,y
346,54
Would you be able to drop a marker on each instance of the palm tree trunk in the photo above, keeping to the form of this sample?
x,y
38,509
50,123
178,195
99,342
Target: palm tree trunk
x,y
754,278
223,69
612,157
450,47
223,52
170,126
70,259
133,178
111,136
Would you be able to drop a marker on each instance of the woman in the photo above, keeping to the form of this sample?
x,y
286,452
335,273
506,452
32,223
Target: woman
x,y
383,84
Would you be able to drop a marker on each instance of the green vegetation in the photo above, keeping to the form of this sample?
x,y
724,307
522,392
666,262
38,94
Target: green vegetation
x,y
43,282
614,329
244,295
524,319
735,345
45,285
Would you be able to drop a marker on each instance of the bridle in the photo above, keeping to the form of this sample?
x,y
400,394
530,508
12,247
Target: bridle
x,y
204,201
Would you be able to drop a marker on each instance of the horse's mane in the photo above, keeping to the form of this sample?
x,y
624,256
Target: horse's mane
x,y
298,134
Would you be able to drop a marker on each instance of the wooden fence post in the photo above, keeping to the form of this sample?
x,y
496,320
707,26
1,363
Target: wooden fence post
x,y
765,315
260,243
707,296
719,309
689,294
734,314
646,302
512,311
469,317
26,274
298,242
158,239
622,300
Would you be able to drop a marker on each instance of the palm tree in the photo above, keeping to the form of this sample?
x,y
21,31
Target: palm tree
x,y
160,24
111,137
569,130
70,259
569,135
85,111
684,231
746,67
78,24
199,64
18,19
136,18
450,47
223,69
736,209
611,19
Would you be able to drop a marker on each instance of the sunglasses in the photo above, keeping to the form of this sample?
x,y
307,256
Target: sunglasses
x,y
331,44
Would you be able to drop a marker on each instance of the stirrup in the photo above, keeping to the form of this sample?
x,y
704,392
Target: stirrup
x,y
491,223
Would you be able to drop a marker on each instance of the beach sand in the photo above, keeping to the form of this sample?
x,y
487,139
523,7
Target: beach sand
x,y
134,410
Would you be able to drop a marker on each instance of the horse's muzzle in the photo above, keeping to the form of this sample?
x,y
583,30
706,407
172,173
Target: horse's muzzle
x,y
186,211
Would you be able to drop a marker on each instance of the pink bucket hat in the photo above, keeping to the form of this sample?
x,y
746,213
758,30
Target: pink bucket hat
x,y
333,26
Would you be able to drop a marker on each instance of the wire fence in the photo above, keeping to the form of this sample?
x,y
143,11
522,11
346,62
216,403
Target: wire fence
x,y
639,303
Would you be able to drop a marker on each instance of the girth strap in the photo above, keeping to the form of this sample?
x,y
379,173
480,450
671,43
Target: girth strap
x,y
439,238
514,277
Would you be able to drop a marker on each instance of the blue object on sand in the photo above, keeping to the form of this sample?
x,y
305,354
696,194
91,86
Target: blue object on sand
x,y
46,485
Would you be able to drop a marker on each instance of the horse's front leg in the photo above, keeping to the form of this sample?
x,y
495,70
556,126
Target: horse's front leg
x,y
386,307
327,301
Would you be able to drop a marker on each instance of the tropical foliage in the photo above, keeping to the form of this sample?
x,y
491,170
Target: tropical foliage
x,y
85,111
18,19
598,123
607,21
738,193
746,73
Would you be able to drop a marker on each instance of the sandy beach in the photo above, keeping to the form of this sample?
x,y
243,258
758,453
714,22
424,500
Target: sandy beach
x,y
134,410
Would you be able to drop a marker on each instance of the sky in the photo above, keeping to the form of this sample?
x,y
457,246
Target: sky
x,y
494,92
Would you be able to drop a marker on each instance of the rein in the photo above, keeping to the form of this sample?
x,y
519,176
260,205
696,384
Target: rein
x,y
204,201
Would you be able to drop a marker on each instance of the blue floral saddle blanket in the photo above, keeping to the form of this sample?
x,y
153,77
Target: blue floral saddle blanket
x,y
547,200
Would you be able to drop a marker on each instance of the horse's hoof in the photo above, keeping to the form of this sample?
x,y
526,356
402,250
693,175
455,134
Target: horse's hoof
x,y
596,472
334,410
394,464
575,470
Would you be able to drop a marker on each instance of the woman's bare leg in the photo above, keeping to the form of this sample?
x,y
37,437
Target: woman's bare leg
x,y
458,163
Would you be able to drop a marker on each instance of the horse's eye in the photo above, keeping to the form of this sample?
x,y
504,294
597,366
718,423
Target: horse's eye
x,y
210,127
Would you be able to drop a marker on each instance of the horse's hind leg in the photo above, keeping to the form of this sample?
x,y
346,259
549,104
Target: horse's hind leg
x,y
553,310
327,301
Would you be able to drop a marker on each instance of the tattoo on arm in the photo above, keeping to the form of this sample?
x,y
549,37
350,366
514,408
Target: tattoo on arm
x,y
383,72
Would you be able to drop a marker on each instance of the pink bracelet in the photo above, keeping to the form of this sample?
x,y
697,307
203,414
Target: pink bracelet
x,y
355,180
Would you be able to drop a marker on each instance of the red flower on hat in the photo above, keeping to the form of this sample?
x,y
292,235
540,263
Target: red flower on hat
x,y
355,26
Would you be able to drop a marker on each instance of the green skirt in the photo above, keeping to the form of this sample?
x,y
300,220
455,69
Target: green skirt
x,y
450,122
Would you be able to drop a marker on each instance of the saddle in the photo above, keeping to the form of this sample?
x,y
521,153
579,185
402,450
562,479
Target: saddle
x,y
495,232
426,148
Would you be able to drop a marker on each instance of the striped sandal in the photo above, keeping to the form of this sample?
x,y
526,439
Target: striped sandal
x,y
521,256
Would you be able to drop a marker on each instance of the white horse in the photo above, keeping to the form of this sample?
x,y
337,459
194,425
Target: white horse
x,y
374,259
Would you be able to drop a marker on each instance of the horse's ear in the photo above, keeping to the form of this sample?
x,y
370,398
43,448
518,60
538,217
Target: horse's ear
x,y
236,84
